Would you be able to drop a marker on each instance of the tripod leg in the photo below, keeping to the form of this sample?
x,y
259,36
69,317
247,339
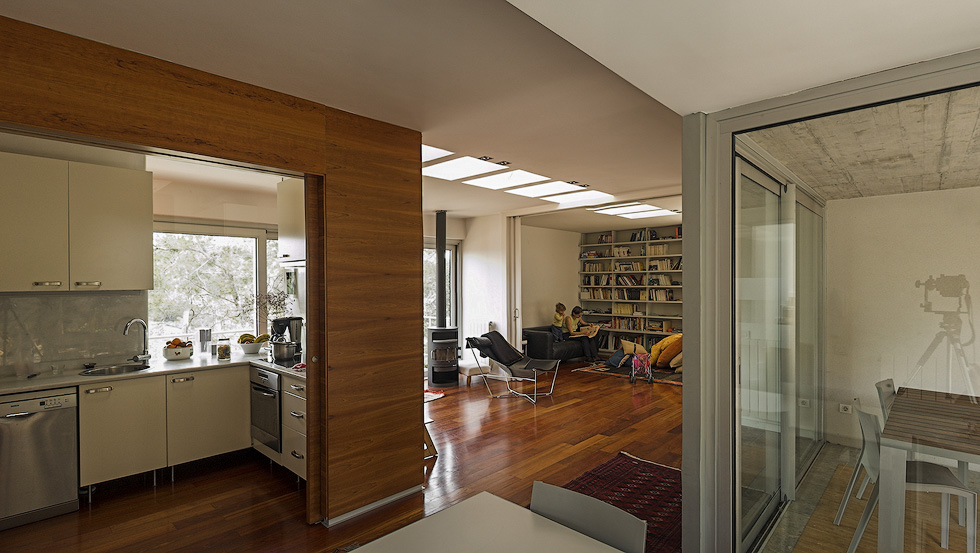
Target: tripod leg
x,y
958,348
940,336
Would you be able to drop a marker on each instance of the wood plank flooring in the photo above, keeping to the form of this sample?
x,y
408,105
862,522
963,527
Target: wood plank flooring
x,y
237,502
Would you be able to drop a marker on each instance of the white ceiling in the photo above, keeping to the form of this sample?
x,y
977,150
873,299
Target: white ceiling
x,y
708,55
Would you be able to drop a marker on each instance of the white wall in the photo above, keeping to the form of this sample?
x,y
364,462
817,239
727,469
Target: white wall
x,y
214,202
455,228
876,328
32,146
484,273
549,273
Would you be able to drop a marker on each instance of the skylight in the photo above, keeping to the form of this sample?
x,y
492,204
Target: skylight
x,y
648,214
460,168
586,197
545,189
627,209
429,153
506,180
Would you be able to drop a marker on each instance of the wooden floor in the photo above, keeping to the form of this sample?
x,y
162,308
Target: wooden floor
x,y
237,502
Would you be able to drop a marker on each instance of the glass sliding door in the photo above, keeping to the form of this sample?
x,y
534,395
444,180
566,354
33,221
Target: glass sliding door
x,y
809,334
758,310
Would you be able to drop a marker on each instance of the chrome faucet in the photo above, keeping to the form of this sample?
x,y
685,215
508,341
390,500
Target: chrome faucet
x,y
145,357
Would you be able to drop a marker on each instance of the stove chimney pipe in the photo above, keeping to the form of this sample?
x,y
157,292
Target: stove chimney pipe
x,y
441,269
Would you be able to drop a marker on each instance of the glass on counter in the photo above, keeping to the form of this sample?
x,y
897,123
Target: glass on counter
x,y
224,349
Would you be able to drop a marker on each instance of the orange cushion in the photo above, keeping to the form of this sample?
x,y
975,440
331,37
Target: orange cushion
x,y
671,347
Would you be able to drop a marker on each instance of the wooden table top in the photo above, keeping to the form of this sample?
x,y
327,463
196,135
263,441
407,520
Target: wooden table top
x,y
934,419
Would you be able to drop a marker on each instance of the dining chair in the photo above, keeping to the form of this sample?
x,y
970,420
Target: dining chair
x,y
862,463
590,516
920,476
886,395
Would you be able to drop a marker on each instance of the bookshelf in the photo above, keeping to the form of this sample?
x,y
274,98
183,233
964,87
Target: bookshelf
x,y
631,280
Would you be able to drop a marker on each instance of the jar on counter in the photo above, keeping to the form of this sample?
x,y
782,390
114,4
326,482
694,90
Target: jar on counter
x,y
224,349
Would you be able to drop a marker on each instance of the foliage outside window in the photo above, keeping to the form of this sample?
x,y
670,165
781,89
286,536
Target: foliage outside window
x,y
212,277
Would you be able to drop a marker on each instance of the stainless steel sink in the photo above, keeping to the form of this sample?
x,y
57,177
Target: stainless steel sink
x,y
109,370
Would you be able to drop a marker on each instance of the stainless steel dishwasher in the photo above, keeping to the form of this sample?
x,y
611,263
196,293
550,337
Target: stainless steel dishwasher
x,y
38,455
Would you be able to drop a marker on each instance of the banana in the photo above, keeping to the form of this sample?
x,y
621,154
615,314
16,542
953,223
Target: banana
x,y
262,338
246,338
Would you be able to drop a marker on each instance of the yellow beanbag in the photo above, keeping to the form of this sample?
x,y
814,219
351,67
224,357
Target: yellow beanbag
x,y
671,346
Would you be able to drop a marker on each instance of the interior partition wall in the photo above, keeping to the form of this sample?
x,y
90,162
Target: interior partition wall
x,y
711,482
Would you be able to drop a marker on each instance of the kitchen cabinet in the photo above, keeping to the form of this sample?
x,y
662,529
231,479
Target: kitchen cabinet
x,y
34,220
110,220
294,424
80,226
207,413
291,210
122,428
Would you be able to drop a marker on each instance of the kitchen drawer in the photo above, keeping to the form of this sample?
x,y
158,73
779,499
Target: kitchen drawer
x,y
295,386
294,451
294,412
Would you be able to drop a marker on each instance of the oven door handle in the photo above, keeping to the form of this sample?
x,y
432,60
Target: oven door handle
x,y
263,390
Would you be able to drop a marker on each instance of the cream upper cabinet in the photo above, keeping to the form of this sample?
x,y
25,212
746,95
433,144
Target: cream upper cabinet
x,y
291,211
111,228
207,413
74,226
34,219
122,428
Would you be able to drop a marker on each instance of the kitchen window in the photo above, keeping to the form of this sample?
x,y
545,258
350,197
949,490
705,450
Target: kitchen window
x,y
217,277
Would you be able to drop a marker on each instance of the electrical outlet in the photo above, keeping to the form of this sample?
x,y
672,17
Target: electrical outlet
x,y
804,402
845,408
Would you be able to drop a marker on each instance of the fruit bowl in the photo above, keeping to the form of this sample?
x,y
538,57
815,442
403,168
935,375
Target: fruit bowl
x,y
174,354
251,348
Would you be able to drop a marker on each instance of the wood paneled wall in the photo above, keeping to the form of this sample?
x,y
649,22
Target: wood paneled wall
x,y
374,306
364,229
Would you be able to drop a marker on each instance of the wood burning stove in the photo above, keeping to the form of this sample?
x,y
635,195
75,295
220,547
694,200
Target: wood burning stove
x,y
443,356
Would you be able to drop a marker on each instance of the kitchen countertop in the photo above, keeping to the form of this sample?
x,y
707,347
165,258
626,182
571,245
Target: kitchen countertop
x,y
158,366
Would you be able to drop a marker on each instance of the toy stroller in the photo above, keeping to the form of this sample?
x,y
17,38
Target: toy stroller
x,y
640,368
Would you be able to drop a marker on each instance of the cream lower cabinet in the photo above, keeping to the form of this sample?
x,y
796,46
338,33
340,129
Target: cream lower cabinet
x,y
294,424
207,413
122,428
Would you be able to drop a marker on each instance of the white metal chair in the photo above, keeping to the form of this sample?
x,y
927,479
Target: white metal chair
x,y
920,476
590,516
510,365
886,395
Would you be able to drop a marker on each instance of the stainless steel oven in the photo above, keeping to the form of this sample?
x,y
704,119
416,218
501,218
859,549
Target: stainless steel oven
x,y
266,427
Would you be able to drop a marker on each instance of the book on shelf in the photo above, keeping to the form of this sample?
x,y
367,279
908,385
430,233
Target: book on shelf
x,y
594,267
664,264
659,280
623,266
621,251
658,249
604,239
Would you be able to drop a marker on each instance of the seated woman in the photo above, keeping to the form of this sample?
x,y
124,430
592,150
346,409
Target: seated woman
x,y
579,329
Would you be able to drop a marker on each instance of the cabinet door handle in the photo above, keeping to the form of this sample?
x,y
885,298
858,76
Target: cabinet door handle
x,y
16,415
283,256
47,283
184,379
98,390
297,455
89,283
267,394
295,414
297,388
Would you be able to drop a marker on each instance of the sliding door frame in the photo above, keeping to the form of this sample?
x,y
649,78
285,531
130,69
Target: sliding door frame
x,y
709,523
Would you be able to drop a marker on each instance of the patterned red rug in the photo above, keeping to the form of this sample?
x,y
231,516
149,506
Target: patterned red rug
x,y
644,489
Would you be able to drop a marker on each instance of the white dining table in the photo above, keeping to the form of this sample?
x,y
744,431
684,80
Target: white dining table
x,y
485,523
924,422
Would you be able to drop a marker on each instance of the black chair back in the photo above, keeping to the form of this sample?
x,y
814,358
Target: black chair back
x,y
501,351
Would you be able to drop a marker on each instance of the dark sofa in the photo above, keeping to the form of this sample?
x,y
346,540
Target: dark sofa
x,y
541,345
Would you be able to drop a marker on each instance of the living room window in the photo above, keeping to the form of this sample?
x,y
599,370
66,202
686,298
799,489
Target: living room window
x,y
209,276
429,288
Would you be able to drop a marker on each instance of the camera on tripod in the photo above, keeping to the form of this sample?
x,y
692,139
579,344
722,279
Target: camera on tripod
x,y
948,286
